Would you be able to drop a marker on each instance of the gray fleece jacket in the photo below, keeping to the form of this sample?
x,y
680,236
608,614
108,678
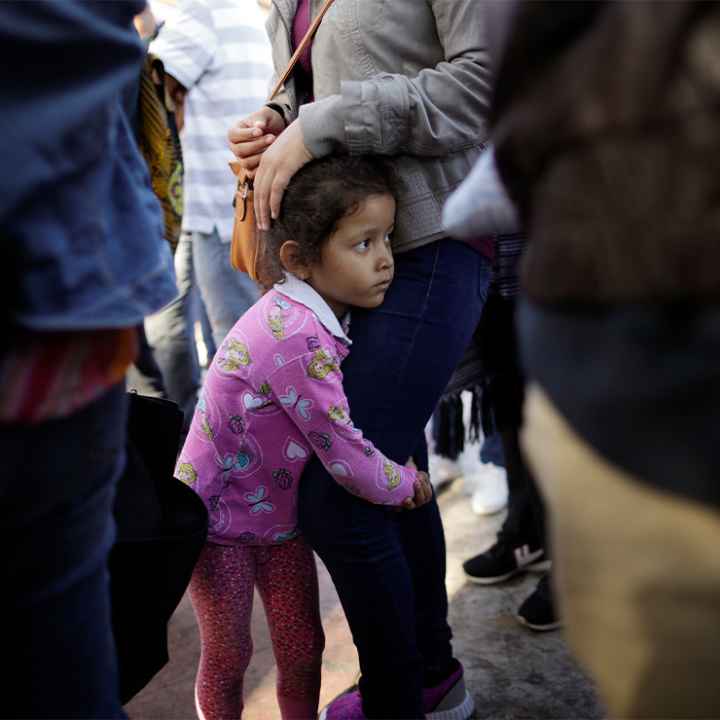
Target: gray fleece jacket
x,y
408,79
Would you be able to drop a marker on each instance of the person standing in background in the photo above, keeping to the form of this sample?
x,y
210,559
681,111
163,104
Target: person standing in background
x,y
218,67
606,115
167,364
480,208
81,243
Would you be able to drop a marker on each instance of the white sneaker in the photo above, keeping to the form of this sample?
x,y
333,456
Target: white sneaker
x,y
491,490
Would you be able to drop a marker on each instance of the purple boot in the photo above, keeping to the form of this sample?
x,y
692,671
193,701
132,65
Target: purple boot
x,y
344,707
449,700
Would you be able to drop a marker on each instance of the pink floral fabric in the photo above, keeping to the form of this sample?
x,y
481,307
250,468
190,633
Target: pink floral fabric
x,y
274,396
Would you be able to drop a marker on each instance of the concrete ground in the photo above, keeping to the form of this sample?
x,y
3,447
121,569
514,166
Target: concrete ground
x,y
512,672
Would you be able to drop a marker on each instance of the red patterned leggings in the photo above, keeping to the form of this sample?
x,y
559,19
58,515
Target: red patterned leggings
x,y
221,591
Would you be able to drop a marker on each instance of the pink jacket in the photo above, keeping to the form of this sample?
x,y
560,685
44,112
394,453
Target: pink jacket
x,y
274,396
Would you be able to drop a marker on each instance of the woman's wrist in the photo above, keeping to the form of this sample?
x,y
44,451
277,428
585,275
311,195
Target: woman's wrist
x,y
279,110
323,126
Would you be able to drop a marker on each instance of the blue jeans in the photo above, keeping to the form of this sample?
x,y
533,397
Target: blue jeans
x,y
491,450
206,329
389,567
227,293
56,527
170,334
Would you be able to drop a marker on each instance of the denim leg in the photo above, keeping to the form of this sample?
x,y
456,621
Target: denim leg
x,y
525,521
388,567
227,293
170,334
361,547
56,526
145,375
491,450
206,329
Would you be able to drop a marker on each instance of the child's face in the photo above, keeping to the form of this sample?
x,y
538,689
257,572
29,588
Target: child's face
x,y
356,263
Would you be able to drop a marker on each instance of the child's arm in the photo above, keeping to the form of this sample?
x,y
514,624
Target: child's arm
x,y
309,389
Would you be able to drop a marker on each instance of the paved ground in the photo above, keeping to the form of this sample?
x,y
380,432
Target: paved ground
x,y
513,673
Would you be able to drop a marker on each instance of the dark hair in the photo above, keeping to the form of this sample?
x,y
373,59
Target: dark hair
x,y
317,198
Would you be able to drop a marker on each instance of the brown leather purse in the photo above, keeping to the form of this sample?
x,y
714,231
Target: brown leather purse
x,y
246,247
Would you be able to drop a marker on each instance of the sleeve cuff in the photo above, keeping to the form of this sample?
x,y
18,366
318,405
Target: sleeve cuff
x,y
282,100
369,116
323,126
280,110
181,74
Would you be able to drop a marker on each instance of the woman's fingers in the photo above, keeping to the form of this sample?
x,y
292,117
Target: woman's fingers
x,y
264,180
277,190
249,136
243,131
252,145
250,165
277,166
260,125
263,177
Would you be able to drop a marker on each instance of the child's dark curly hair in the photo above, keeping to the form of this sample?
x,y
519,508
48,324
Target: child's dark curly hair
x,y
319,195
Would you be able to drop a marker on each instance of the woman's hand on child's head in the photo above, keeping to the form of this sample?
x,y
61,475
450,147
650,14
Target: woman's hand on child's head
x,y
423,492
250,137
278,164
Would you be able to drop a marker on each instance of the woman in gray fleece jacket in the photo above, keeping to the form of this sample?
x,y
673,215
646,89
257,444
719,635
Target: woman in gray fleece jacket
x,y
409,80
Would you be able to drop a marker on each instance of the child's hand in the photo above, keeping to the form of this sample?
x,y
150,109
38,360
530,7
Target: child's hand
x,y
423,492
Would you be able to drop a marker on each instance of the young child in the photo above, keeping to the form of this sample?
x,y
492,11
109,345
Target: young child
x,y
273,397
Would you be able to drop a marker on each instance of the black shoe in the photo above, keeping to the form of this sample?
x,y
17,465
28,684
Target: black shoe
x,y
538,610
507,557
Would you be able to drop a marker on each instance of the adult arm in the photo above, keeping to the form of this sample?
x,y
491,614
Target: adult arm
x,y
187,43
443,109
439,111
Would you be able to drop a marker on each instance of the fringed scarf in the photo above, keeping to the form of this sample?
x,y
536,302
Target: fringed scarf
x,y
481,369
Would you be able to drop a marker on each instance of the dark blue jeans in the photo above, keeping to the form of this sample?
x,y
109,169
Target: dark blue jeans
x,y
491,450
57,488
389,567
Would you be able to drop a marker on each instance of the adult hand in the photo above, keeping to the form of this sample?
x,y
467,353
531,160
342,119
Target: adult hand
x,y
251,136
423,492
277,166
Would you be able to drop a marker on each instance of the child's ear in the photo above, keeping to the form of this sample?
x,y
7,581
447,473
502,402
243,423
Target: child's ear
x,y
292,261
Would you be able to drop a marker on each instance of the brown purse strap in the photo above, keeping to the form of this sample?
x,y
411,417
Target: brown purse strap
x,y
300,48
245,184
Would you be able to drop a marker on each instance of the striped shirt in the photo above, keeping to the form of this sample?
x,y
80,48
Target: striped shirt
x,y
219,51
